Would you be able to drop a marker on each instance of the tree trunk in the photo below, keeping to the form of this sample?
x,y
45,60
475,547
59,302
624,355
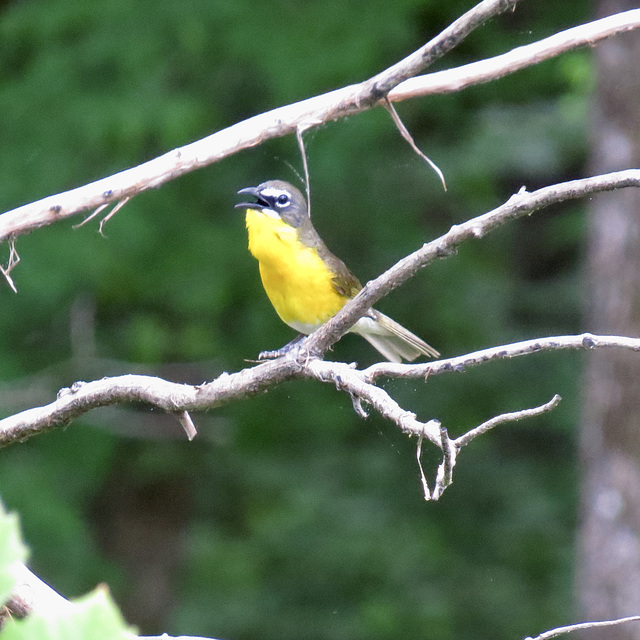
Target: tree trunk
x,y
608,565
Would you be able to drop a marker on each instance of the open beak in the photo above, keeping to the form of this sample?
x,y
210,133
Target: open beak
x,y
252,191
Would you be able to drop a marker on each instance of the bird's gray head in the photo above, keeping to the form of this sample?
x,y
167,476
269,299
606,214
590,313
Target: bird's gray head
x,y
278,199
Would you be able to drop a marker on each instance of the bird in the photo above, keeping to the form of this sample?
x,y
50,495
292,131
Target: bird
x,y
305,282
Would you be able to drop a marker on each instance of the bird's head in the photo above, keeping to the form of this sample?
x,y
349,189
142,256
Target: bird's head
x,y
277,199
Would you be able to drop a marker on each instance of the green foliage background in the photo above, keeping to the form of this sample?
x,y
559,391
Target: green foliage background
x,y
288,516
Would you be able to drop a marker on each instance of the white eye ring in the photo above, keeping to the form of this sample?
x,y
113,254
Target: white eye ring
x,y
283,199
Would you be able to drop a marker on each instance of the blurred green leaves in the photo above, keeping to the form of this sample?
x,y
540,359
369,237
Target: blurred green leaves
x,y
12,552
94,617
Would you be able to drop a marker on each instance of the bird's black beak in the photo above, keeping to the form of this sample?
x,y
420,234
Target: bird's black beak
x,y
252,191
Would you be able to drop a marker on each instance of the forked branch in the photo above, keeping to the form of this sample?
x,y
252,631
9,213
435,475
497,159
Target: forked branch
x,y
317,110
252,132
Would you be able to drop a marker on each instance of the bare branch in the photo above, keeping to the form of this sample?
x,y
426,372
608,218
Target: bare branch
x,y
379,86
451,448
304,114
459,78
521,204
581,626
176,398
307,113
460,364
249,133
169,396
347,378
181,398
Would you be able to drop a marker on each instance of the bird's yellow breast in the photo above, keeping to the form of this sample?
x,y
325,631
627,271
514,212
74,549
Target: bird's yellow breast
x,y
294,276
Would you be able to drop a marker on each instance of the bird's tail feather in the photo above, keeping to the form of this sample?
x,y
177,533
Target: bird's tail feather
x,y
391,339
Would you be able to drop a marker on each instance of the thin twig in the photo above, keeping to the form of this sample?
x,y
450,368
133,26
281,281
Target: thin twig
x,y
581,626
426,492
108,217
360,411
444,477
514,416
92,215
305,165
112,213
188,425
404,132
14,259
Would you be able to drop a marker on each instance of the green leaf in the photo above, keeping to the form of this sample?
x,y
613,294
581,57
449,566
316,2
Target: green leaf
x,y
93,617
12,551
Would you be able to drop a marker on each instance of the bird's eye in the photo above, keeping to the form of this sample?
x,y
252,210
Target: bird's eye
x,y
283,199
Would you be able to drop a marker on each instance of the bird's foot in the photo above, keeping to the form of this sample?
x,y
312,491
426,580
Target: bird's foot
x,y
283,351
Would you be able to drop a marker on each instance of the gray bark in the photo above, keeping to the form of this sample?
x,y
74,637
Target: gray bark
x,y
608,562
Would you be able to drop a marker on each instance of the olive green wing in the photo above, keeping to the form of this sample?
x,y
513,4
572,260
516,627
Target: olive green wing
x,y
344,282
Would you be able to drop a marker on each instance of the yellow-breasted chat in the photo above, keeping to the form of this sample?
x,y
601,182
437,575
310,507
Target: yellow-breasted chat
x,y
305,282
